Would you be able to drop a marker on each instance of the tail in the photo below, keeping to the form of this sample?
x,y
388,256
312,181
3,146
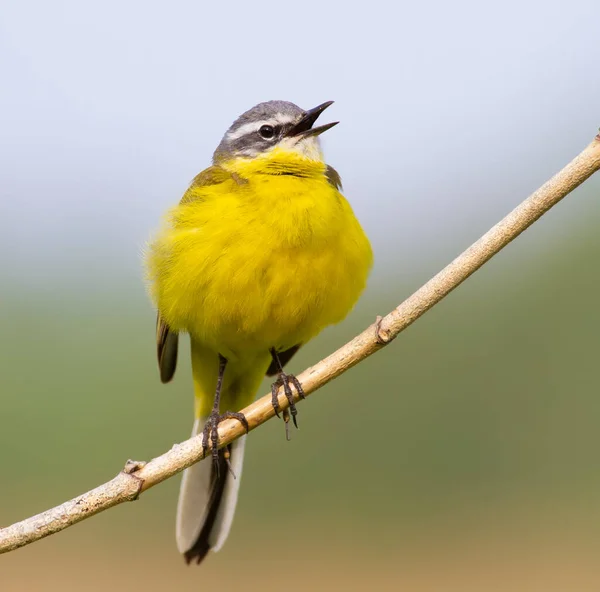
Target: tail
x,y
207,501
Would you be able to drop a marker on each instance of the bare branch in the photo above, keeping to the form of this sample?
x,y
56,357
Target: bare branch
x,y
137,477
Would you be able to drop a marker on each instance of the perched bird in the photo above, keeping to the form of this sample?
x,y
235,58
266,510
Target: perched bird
x,y
260,255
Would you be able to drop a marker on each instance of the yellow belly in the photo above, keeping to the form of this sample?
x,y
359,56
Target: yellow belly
x,y
268,263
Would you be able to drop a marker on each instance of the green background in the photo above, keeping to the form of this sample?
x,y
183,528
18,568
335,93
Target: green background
x,y
466,451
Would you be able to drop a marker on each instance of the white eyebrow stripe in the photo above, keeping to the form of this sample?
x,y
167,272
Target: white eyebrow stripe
x,y
254,126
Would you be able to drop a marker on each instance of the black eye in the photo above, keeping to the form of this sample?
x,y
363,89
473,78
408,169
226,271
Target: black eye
x,y
267,132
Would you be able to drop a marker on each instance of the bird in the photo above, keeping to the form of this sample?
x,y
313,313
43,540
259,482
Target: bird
x,y
262,252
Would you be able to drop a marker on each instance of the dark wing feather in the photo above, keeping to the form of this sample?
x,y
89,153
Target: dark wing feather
x,y
166,350
284,358
333,177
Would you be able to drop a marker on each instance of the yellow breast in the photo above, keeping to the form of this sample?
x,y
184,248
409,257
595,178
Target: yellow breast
x,y
267,257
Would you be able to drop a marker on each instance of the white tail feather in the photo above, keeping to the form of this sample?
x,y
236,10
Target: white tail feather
x,y
220,532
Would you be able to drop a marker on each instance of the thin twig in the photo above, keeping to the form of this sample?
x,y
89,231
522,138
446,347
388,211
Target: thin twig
x,y
137,477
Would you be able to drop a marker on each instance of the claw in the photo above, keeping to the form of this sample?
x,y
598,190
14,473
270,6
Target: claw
x,y
274,401
286,419
211,431
235,415
227,456
285,380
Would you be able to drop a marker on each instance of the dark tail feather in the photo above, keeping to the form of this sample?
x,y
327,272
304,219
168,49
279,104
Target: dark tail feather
x,y
218,478
207,501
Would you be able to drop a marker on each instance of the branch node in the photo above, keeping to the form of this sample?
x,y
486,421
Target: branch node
x,y
382,336
131,467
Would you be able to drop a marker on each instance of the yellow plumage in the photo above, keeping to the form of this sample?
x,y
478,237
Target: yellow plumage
x,y
260,255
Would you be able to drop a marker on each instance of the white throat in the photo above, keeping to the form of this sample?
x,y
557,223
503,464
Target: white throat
x,y
307,147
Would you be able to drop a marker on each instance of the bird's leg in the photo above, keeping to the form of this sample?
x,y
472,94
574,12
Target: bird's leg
x,y
211,429
285,380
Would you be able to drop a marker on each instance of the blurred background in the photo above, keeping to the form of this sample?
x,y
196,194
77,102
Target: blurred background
x,y
484,472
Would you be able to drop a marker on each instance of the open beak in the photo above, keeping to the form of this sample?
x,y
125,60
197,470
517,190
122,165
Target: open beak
x,y
304,128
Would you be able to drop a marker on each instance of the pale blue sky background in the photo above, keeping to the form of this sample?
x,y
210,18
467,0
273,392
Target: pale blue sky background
x,y
451,113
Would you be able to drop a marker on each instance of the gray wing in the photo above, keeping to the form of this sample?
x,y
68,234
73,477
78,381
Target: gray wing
x,y
333,177
166,350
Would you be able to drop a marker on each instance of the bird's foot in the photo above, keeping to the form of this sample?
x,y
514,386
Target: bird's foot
x,y
286,380
210,433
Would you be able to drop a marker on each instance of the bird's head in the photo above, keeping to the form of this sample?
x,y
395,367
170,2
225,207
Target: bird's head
x,y
270,125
